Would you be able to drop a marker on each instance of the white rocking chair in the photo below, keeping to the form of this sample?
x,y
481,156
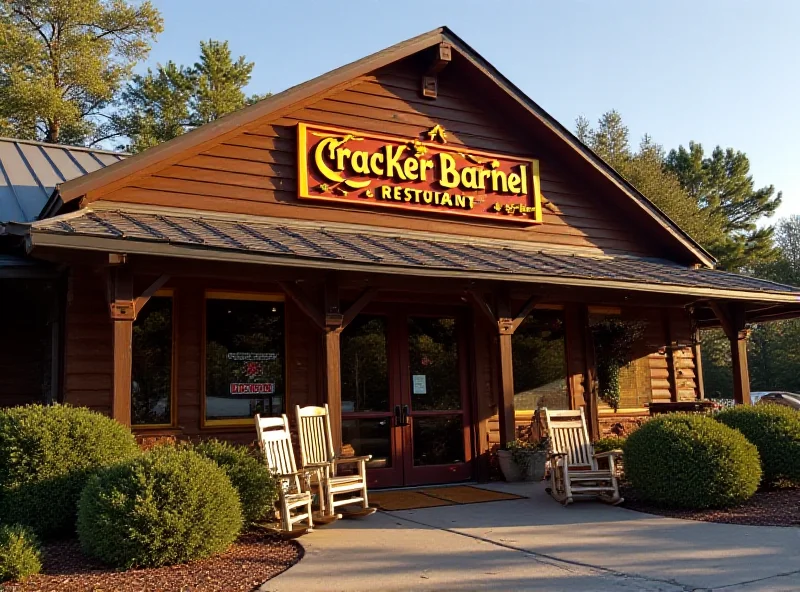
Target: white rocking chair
x,y
275,442
573,463
316,449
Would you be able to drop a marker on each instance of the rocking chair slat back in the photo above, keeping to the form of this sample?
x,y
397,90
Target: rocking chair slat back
x,y
314,431
275,442
568,434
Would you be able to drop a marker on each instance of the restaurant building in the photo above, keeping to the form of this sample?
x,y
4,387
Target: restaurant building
x,y
409,239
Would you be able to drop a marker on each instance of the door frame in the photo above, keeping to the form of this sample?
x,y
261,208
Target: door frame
x,y
402,471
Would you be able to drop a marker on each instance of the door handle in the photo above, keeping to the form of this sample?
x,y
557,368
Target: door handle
x,y
404,416
398,416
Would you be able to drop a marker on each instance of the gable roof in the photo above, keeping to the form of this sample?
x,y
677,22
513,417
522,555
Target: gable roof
x,y
30,171
95,185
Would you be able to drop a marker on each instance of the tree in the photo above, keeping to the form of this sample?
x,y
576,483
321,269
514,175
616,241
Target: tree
x,y
773,355
722,186
171,100
644,170
63,61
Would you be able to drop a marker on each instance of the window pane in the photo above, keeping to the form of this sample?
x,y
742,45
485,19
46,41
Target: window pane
x,y
151,370
245,363
370,436
438,440
433,355
365,366
540,367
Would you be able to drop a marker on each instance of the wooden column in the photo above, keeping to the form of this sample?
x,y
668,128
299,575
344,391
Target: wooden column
x,y
123,313
334,323
123,309
732,318
505,399
505,323
590,385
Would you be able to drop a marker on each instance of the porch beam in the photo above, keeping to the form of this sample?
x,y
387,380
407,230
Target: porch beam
x,y
123,313
732,318
304,303
148,293
362,301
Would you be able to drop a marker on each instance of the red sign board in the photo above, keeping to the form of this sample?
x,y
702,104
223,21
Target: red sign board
x,y
430,176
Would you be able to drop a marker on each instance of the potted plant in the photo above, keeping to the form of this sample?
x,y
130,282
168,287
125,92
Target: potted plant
x,y
521,460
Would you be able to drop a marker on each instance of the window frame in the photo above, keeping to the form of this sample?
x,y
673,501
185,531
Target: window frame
x,y
173,373
206,423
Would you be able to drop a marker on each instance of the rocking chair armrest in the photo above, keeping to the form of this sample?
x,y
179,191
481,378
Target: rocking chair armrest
x,y
316,466
352,459
556,454
608,454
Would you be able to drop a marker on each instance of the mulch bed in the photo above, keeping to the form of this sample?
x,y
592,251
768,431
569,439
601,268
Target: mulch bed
x,y
777,507
253,559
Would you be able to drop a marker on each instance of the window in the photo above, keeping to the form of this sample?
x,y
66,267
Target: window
x,y
540,367
151,365
245,357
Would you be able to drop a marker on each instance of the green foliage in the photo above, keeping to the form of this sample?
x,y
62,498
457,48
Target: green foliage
x,y
613,344
165,507
171,100
775,430
20,556
643,168
691,461
254,482
722,186
609,443
47,453
62,62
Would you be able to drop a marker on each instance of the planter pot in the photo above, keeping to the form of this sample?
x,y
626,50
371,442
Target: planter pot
x,y
531,469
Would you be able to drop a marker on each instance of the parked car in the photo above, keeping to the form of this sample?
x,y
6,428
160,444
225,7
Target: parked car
x,y
777,398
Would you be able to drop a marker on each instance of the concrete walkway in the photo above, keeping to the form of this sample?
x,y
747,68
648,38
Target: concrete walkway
x,y
536,544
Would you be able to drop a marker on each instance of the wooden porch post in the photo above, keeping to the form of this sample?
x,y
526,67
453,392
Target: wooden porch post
x,y
732,318
505,402
124,308
334,321
123,313
590,386
506,324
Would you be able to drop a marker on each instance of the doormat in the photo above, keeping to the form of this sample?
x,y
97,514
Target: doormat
x,y
414,499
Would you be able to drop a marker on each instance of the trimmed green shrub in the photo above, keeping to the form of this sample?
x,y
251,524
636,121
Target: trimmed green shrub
x,y
691,461
20,556
775,430
47,453
251,477
165,507
609,443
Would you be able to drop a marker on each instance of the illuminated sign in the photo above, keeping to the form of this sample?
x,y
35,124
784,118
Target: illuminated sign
x,y
342,166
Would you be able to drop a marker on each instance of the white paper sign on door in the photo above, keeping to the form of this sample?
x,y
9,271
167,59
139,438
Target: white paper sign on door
x,y
419,385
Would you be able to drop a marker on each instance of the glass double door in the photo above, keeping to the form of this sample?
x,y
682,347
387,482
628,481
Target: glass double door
x,y
405,396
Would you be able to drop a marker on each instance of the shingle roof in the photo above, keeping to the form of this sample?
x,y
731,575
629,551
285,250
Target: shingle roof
x,y
379,249
29,171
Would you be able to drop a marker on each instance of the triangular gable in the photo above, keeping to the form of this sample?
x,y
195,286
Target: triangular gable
x,y
101,183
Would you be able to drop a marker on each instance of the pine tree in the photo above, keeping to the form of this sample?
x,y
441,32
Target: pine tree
x,y
63,61
171,100
644,170
722,186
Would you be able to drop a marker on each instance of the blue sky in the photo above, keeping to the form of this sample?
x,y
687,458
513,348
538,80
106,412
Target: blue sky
x,y
717,72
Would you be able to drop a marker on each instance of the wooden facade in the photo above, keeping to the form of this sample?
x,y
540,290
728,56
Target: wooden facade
x,y
150,225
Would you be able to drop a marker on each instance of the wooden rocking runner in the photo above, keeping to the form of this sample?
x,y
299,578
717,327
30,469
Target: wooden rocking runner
x,y
573,462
